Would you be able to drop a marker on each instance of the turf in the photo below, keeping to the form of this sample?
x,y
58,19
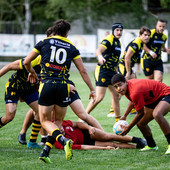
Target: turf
x,y
16,156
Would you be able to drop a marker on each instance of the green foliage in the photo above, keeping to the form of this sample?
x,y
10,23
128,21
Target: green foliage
x,y
16,156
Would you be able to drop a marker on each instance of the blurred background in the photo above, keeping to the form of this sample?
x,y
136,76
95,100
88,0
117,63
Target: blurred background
x,y
24,22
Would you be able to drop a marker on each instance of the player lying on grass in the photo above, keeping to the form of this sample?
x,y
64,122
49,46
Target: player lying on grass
x,y
151,100
86,137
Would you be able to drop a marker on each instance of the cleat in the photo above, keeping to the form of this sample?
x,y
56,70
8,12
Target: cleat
x,y
133,112
168,151
22,139
32,145
141,143
111,114
147,148
44,158
68,149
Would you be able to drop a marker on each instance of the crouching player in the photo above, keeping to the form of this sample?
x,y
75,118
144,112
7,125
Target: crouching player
x,y
151,100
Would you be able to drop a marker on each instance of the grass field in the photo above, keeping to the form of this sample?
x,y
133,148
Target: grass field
x,y
16,156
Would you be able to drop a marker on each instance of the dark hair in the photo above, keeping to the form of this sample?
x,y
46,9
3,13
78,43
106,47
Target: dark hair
x,y
61,27
116,78
161,20
143,29
49,31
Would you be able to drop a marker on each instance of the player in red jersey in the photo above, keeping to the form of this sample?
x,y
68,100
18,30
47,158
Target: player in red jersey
x,y
151,100
86,137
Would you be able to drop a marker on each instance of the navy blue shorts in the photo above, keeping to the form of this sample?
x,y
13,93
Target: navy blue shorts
x,y
149,66
154,104
103,76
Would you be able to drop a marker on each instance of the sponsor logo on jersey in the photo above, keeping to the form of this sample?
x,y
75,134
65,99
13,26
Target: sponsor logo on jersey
x,y
51,41
55,66
158,42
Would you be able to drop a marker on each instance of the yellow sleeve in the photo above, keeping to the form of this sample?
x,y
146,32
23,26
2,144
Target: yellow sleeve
x,y
36,61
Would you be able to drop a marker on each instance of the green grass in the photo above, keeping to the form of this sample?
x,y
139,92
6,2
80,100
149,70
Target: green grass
x,y
16,156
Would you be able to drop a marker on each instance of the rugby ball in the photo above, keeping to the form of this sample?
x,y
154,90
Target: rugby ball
x,y
117,126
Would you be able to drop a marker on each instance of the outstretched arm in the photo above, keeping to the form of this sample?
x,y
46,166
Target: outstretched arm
x,y
27,62
11,66
83,72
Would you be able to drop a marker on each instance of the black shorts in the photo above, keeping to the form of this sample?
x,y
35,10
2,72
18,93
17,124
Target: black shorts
x,y
56,93
103,76
149,66
87,138
122,70
154,104
28,94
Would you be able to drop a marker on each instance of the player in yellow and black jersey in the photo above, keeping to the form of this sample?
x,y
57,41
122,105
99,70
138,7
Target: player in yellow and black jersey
x,y
132,53
108,54
18,87
152,64
54,92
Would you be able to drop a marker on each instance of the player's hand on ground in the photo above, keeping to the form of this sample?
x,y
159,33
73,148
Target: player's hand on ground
x,y
72,89
32,77
111,147
92,95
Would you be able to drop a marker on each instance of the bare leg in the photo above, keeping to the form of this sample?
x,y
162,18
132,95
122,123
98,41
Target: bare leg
x,y
115,101
10,113
158,75
27,121
113,144
160,110
100,93
79,110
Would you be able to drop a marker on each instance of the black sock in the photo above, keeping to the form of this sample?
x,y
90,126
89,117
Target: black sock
x,y
56,134
135,139
150,141
168,138
48,145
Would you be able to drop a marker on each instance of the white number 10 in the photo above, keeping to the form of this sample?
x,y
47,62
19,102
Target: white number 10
x,y
56,54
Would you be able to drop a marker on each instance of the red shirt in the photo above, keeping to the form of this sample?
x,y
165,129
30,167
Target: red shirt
x,y
143,91
75,134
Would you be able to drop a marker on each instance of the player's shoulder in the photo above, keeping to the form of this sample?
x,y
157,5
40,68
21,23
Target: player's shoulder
x,y
164,36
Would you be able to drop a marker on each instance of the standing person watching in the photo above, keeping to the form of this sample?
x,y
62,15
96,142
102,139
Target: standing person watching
x,y
151,62
108,54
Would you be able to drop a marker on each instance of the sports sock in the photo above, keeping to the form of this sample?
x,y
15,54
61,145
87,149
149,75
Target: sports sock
x,y
117,118
44,138
150,141
36,126
135,139
56,134
48,145
1,124
168,138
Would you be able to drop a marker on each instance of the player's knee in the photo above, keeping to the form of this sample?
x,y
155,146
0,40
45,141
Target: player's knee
x,y
8,118
99,99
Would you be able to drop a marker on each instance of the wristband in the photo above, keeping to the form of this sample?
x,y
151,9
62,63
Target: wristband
x,y
151,52
93,92
99,57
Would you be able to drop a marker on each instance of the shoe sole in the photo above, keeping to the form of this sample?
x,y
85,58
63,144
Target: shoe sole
x,y
68,150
